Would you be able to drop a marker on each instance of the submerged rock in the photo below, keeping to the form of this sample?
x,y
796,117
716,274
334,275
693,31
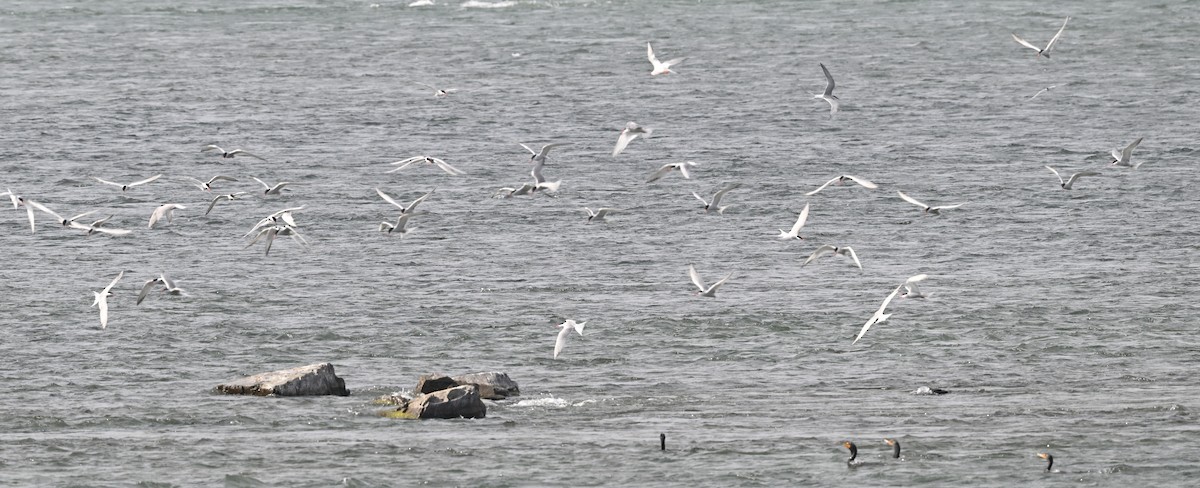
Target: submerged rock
x,y
460,401
314,379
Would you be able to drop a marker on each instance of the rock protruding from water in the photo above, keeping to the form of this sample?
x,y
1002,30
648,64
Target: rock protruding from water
x,y
460,401
492,385
314,379
429,383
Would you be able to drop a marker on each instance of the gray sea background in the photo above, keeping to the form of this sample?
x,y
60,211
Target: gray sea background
x,y
1060,321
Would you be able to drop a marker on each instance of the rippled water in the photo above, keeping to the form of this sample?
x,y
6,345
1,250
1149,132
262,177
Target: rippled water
x,y
1060,321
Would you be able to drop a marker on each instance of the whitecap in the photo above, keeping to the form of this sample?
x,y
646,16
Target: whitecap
x,y
482,4
543,402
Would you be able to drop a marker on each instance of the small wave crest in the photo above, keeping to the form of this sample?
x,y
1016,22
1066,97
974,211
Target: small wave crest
x,y
482,4
549,401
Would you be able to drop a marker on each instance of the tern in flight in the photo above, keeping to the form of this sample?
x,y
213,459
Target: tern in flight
x,y
629,133
400,227
539,157
668,168
910,287
660,68
207,185
826,249
1122,157
598,214
18,201
404,163
929,210
438,92
714,205
1050,45
566,327
30,204
229,154
828,95
101,299
272,190
168,287
164,211
841,179
878,316
230,197
284,216
795,232
404,210
277,230
129,186
709,291
1066,185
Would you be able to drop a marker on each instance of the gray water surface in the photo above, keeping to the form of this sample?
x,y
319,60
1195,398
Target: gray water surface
x,y
1060,321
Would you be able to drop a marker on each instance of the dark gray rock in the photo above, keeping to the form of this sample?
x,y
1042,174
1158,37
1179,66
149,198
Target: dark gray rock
x,y
314,379
460,401
429,383
492,385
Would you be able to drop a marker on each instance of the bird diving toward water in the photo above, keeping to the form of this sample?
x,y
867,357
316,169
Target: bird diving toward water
x,y
828,95
660,68
1050,45
566,327
101,299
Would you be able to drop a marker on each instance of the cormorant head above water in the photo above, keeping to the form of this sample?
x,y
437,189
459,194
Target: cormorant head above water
x,y
1049,459
895,447
853,450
